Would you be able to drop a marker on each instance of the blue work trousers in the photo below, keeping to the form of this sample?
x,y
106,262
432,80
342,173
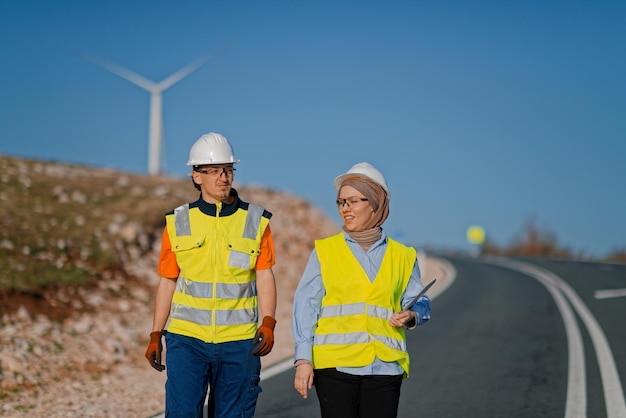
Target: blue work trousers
x,y
231,372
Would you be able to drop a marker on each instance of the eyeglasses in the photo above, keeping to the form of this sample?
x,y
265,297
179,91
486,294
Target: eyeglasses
x,y
350,201
217,171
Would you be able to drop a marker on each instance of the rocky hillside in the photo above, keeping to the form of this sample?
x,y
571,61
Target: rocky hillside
x,y
78,254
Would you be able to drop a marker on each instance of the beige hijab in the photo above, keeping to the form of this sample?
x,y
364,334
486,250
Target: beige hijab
x,y
377,198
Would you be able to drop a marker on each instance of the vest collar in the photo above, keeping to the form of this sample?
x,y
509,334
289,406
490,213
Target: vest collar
x,y
227,208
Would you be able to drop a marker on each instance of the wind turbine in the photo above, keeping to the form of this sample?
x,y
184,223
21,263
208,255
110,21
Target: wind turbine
x,y
156,101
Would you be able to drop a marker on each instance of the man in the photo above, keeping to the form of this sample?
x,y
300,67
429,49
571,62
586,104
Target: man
x,y
216,273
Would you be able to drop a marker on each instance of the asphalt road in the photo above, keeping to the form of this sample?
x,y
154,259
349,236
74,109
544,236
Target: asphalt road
x,y
517,338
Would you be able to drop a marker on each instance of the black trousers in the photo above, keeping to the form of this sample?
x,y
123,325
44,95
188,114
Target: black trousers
x,y
343,395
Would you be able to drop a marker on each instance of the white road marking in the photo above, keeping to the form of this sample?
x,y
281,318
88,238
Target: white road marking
x,y
609,293
613,394
276,369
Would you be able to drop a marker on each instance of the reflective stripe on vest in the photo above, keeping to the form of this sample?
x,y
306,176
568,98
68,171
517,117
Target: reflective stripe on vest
x,y
251,227
223,318
253,220
181,219
357,337
223,290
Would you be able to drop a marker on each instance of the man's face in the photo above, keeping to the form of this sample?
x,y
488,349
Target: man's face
x,y
215,181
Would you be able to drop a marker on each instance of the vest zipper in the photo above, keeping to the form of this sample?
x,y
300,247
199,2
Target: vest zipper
x,y
216,253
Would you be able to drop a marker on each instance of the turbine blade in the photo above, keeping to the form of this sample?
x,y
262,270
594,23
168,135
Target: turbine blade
x,y
190,68
120,71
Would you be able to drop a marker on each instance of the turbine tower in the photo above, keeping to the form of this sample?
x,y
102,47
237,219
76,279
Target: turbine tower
x,y
156,90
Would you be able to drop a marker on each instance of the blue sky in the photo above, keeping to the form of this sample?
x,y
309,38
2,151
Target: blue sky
x,y
485,113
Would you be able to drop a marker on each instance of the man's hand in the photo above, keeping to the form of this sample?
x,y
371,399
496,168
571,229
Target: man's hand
x,y
264,338
154,351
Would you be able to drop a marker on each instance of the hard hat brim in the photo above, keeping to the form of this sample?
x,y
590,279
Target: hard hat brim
x,y
339,179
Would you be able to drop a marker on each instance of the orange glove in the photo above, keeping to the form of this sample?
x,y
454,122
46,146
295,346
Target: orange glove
x,y
264,338
154,351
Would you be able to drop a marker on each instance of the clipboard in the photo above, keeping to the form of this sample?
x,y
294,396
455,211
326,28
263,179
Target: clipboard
x,y
419,295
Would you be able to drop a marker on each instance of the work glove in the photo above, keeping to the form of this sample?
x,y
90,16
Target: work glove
x,y
264,338
154,351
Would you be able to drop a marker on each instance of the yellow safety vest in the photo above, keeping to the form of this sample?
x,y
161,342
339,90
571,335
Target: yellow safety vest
x,y
353,328
216,298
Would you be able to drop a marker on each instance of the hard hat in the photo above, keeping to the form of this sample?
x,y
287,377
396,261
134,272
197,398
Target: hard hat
x,y
211,148
365,170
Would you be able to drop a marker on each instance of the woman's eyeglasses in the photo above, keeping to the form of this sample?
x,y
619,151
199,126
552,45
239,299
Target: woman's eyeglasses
x,y
350,201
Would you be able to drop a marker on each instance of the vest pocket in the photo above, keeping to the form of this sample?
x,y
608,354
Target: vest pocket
x,y
185,243
191,253
243,253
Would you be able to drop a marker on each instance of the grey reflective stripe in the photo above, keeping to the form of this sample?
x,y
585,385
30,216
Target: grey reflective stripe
x,y
253,220
180,284
196,316
236,291
181,220
224,290
198,289
391,342
356,309
358,338
343,310
241,260
379,312
236,317
347,338
203,317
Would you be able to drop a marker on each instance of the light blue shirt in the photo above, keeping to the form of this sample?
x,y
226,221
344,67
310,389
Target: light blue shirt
x,y
308,302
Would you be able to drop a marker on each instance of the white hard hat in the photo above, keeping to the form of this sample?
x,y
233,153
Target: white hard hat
x,y
365,170
211,148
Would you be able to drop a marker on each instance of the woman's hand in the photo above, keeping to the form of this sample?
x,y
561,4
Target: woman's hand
x,y
400,319
304,379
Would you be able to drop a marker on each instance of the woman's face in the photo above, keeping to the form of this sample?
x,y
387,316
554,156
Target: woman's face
x,y
354,209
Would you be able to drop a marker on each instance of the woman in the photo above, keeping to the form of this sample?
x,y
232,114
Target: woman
x,y
349,307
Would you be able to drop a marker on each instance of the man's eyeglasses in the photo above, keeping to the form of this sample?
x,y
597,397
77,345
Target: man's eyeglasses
x,y
350,201
216,171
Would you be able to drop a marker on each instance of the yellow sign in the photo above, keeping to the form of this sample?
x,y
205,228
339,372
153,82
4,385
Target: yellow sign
x,y
475,234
